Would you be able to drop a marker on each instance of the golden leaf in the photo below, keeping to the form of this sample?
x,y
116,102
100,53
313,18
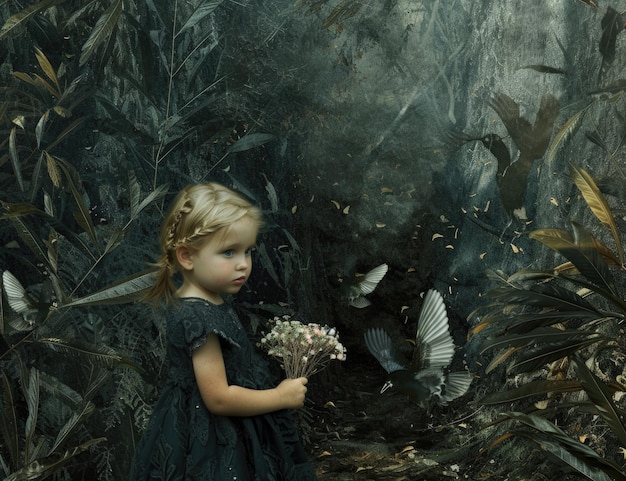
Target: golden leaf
x,y
346,210
380,225
436,236
336,204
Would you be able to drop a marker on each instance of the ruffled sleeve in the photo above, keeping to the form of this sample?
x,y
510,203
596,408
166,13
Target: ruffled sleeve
x,y
195,319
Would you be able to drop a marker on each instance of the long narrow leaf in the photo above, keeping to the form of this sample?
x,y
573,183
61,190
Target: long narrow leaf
x,y
597,203
531,389
8,416
31,392
568,127
102,32
601,397
549,296
81,211
250,141
535,358
15,160
16,22
101,356
205,8
44,467
120,292
47,68
77,417
543,335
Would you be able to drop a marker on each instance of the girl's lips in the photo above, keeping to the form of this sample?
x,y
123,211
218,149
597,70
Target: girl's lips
x,y
240,281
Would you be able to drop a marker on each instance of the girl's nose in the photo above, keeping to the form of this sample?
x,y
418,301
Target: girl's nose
x,y
242,262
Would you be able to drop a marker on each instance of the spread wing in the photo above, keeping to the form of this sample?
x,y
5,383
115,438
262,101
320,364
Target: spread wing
x,y
16,294
372,278
435,346
379,344
456,384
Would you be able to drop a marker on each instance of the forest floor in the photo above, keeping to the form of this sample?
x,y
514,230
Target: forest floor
x,y
355,433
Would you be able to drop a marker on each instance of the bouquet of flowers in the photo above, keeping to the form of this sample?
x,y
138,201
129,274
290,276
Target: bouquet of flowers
x,y
302,349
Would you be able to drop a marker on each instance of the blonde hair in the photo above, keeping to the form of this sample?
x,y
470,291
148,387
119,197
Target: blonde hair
x,y
198,211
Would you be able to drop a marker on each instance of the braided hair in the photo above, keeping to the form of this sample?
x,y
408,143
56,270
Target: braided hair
x,y
199,211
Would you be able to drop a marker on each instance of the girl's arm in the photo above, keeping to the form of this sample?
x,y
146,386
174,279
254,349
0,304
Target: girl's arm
x,y
228,400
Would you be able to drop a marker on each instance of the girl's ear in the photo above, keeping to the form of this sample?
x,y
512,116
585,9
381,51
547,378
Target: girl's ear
x,y
183,256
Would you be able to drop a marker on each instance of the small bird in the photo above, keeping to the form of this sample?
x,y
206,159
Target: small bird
x,y
355,293
427,381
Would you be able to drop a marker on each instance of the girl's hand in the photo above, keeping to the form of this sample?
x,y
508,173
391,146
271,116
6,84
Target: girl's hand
x,y
292,392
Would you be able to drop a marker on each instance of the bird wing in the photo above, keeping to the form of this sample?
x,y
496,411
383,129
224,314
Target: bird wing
x,y
359,302
435,346
372,278
380,345
519,128
16,294
456,384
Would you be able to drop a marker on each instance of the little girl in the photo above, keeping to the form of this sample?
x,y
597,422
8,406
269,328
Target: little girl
x,y
220,416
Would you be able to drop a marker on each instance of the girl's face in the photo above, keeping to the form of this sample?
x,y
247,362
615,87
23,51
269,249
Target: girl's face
x,y
222,265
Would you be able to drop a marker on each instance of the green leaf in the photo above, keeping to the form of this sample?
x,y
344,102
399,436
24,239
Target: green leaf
x,y
16,22
76,419
533,359
597,203
251,141
568,127
530,389
204,8
542,335
43,467
102,32
15,160
120,292
581,251
552,434
80,211
601,397
8,421
31,393
102,356
548,296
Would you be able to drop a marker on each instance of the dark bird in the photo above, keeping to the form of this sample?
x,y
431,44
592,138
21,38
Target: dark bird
x,y
531,140
427,380
355,287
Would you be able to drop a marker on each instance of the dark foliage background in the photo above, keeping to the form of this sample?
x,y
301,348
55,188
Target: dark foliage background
x,y
357,127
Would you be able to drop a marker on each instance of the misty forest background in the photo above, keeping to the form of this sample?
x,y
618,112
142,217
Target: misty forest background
x,y
369,133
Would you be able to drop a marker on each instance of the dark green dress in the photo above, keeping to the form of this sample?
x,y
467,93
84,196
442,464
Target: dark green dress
x,y
184,441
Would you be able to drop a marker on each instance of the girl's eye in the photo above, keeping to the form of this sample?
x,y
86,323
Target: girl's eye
x,y
229,253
